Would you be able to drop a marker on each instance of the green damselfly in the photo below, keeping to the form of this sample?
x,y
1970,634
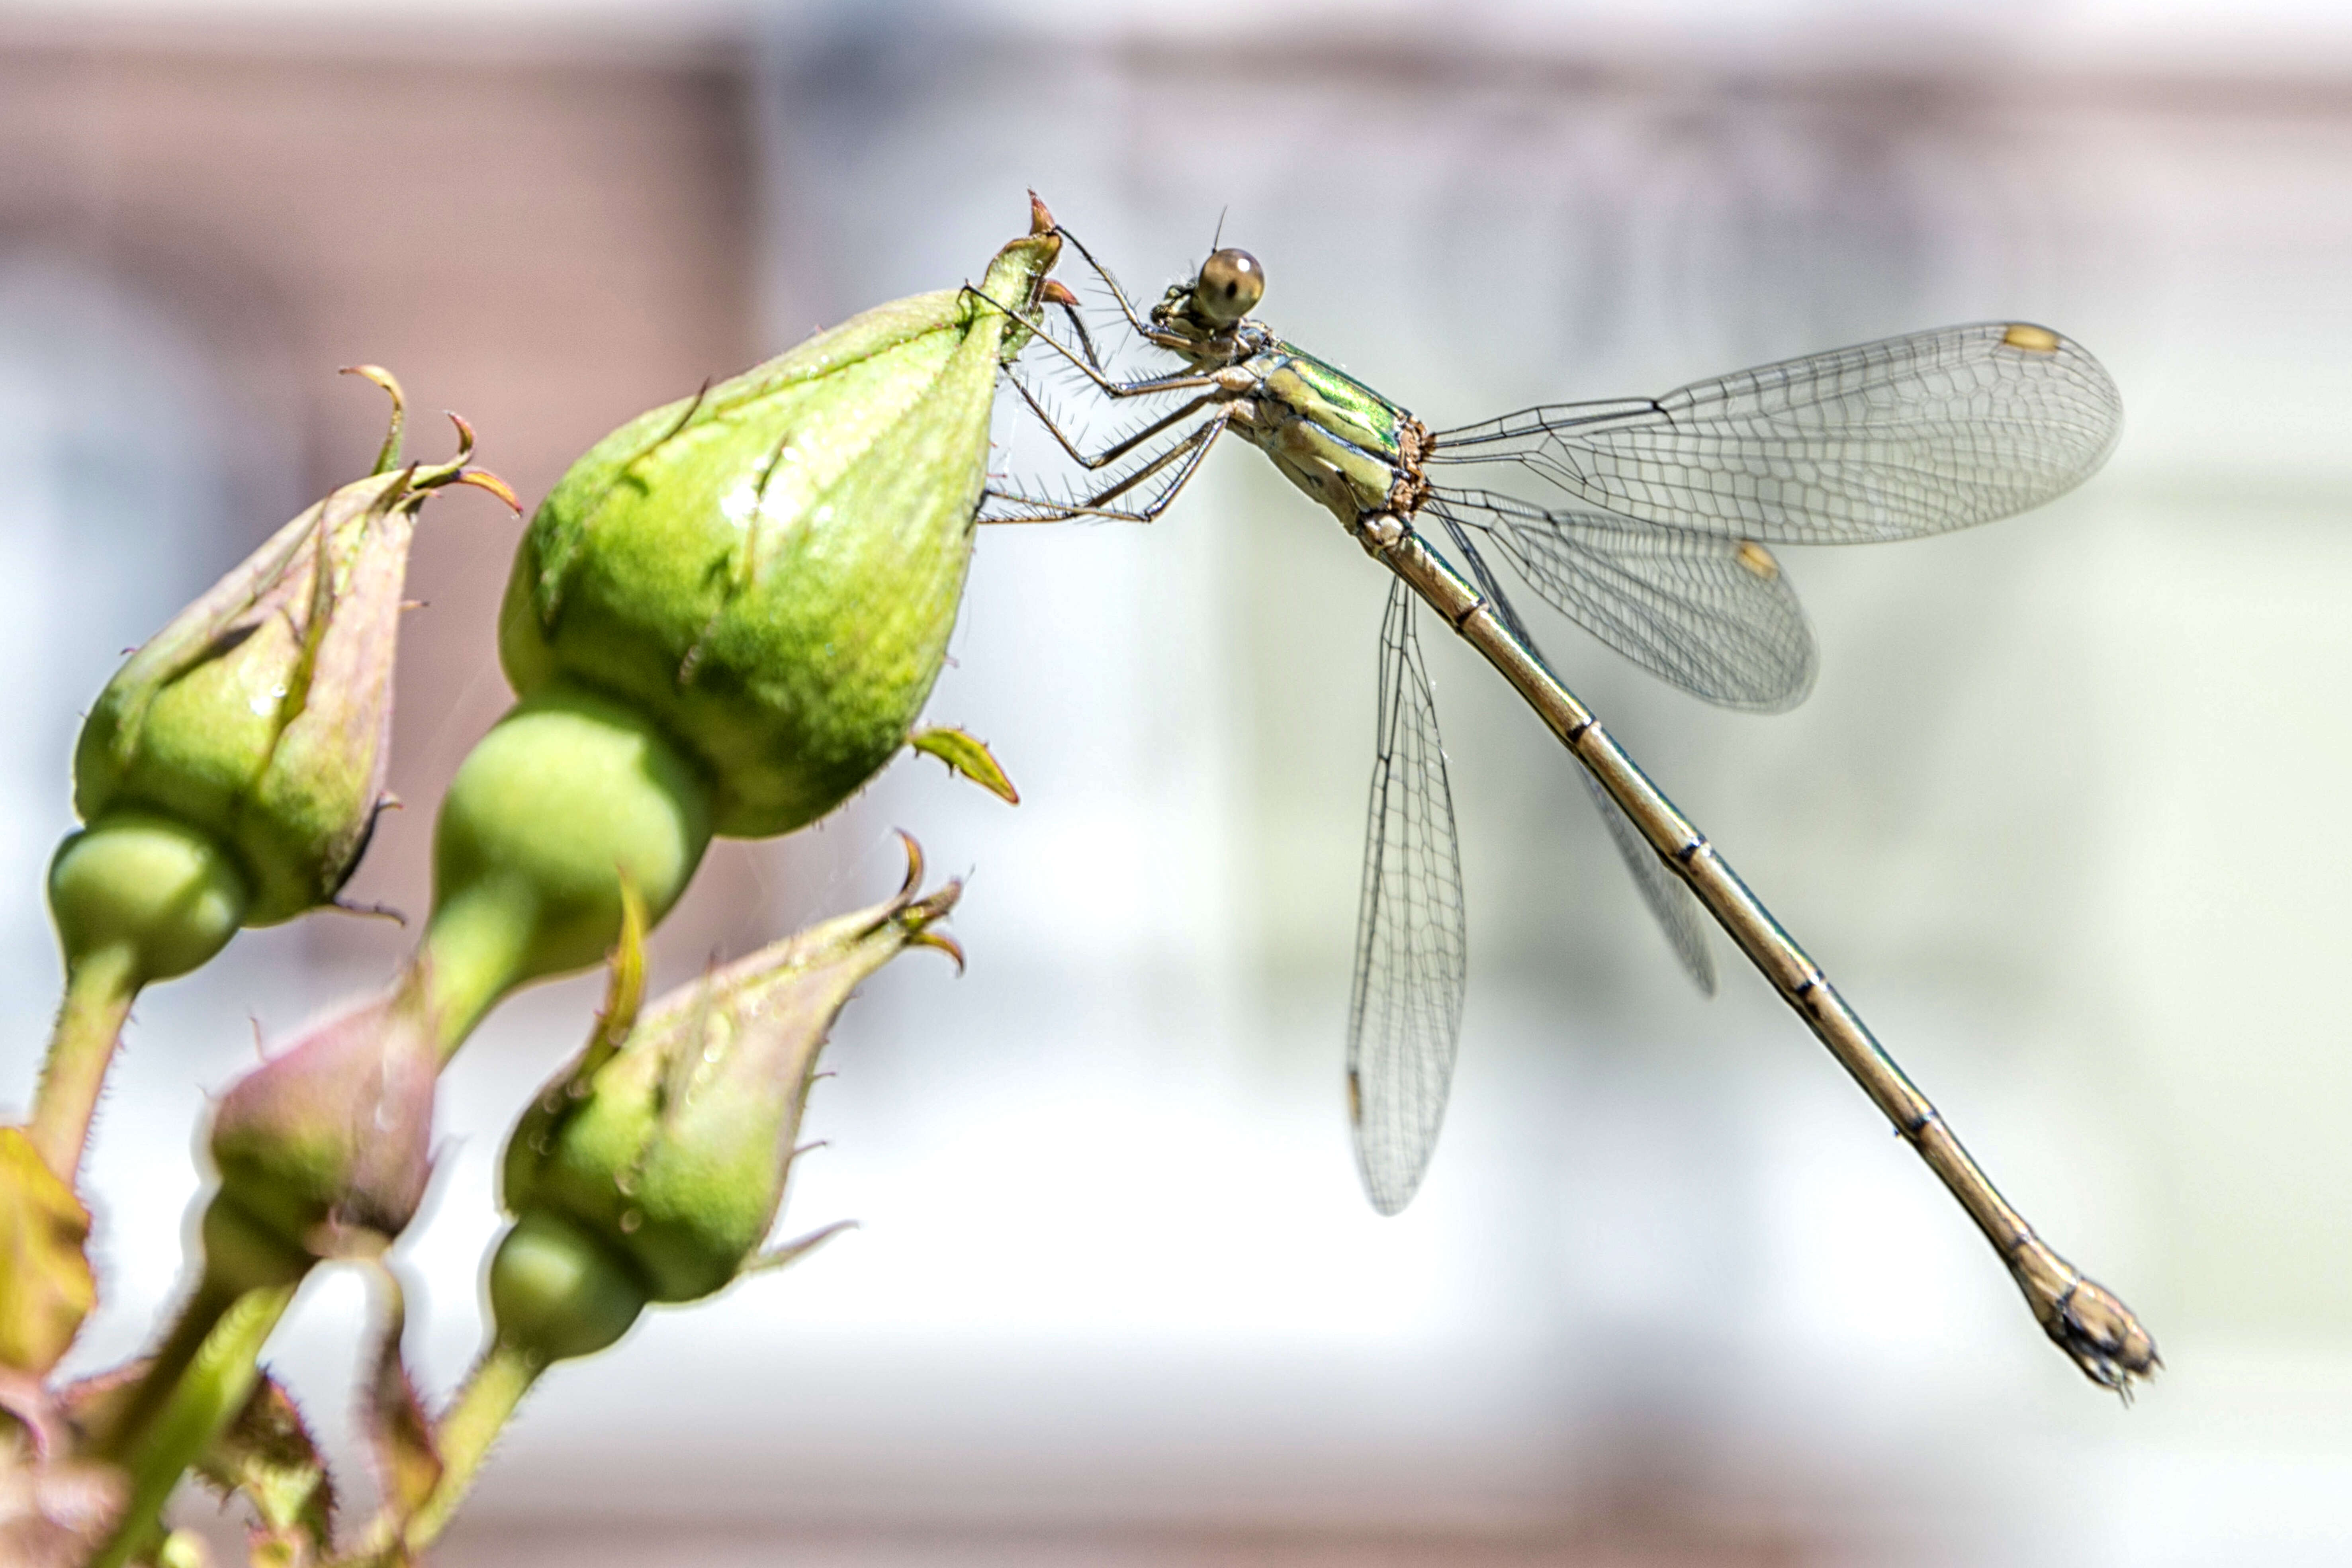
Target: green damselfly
x,y
1651,527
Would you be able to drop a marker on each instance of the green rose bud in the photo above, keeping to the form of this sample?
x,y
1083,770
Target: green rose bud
x,y
231,771
259,716
723,619
769,570
653,1168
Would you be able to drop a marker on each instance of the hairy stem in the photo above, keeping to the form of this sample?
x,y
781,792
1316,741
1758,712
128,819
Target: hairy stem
x,y
98,992
210,1387
475,1417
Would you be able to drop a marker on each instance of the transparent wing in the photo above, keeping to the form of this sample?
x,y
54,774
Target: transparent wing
x,y
1405,1017
1676,907
1716,617
1673,905
1886,440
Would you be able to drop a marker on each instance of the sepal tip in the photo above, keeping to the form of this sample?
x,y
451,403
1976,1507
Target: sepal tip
x,y
483,480
388,458
792,1251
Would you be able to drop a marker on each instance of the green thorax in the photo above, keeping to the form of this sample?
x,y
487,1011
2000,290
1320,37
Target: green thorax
x,y
1332,436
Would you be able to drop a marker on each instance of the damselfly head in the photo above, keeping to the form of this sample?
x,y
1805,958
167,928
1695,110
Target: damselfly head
x,y
1206,318
1232,283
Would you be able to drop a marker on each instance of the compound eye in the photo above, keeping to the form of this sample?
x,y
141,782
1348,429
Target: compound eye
x,y
1232,283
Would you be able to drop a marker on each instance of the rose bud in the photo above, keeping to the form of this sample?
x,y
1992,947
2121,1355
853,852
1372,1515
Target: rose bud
x,y
231,771
327,1145
652,1169
323,1151
725,618
259,716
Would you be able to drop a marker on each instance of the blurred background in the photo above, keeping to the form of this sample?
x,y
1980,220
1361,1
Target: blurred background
x,y
2057,817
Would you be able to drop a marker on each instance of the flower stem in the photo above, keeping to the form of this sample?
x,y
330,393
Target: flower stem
x,y
474,953
204,1394
200,1376
98,992
466,1431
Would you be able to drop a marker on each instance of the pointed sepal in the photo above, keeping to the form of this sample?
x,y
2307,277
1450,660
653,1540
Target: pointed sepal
x,y
269,1457
968,756
785,1254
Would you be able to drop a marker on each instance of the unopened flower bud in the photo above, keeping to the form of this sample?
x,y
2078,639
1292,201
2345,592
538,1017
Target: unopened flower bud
x,y
724,619
259,716
653,1168
326,1147
769,570
231,771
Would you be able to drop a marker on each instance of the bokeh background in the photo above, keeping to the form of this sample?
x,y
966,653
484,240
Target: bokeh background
x,y
2062,817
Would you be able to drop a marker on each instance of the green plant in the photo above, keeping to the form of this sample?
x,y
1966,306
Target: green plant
x,y
724,619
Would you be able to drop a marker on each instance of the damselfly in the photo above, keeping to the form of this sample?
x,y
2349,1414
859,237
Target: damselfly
x,y
1652,530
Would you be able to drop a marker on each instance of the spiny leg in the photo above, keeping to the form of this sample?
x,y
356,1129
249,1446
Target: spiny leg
x,y
1062,299
1142,330
1186,455
1146,386
1112,454
1058,295
1055,294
